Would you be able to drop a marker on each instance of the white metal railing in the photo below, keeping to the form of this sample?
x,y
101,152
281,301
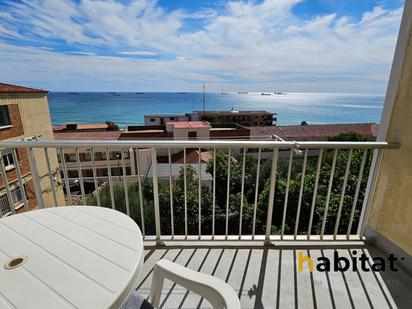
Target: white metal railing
x,y
256,190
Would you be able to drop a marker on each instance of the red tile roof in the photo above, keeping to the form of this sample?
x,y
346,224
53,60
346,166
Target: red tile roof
x,y
314,132
103,135
188,124
192,157
8,88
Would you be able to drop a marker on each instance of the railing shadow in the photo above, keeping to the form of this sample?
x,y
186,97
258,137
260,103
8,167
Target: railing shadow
x,y
268,277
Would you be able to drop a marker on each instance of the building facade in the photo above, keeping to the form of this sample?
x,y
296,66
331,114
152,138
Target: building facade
x,y
156,120
24,113
244,118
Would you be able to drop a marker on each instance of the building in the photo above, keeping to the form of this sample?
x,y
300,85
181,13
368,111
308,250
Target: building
x,y
85,155
24,113
244,118
161,119
184,130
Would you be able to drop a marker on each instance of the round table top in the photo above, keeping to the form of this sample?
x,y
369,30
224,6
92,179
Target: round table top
x,y
65,257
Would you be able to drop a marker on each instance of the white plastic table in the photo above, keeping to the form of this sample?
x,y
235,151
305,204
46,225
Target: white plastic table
x,y
69,257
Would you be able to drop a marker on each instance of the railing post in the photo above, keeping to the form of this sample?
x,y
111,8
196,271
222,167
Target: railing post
x,y
271,195
21,184
156,194
36,178
370,188
7,186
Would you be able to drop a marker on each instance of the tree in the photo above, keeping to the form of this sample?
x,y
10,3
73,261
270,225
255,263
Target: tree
x,y
111,126
235,197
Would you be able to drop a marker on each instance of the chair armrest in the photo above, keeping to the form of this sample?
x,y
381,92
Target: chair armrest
x,y
216,291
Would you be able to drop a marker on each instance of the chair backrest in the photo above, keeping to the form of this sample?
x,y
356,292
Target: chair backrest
x,y
216,291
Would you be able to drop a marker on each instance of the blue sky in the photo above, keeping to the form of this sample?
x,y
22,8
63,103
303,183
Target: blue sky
x,y
148,45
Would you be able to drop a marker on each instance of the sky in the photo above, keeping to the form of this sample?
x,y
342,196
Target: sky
x,y
147,45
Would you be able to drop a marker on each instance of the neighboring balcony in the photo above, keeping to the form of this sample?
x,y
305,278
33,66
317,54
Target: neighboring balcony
x,y
243,211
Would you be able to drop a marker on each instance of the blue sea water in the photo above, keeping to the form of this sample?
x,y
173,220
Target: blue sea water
x,y
126,108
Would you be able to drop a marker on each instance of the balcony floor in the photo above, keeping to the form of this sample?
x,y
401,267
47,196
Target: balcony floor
x,y
267,277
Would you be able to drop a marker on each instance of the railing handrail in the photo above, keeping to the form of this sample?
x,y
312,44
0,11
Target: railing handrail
x,y
318,224
193,144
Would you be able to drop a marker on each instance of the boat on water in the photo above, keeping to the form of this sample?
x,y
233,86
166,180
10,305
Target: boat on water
x,y
181,92
242,92
73,92
280,93
224,92
114,93
139,92
264,93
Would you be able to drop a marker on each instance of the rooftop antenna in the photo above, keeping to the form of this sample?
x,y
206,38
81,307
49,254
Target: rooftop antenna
x,y
204,101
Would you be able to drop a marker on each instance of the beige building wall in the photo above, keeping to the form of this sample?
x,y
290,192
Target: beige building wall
x,y
35,118
391,208
183,133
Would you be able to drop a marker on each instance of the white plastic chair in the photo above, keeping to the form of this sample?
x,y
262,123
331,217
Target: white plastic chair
x,y
216,291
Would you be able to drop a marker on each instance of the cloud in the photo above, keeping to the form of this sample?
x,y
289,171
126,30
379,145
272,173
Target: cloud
x,y
259,45
138,53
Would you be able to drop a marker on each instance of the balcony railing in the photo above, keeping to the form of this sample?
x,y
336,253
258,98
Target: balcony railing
x,y
236,190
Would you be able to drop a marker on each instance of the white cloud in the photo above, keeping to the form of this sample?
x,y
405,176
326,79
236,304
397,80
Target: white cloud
x,y
261,45
138,53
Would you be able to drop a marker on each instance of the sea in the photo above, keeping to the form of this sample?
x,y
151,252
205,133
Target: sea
x,y
129,108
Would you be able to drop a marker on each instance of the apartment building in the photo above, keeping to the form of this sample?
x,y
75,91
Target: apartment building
x,y
109,161
161,119
244,118
24,113
200,130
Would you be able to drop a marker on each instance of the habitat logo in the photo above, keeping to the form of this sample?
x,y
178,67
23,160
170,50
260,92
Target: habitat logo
x,y
342,264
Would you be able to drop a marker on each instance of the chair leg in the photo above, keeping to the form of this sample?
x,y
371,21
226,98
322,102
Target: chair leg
x,y
157,286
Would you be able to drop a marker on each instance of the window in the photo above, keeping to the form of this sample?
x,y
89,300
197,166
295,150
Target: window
x,y
172,118
87,156
73,174
72,157
193,134
87,173
4,116
101,172
103,155
152,120
17,198
8,159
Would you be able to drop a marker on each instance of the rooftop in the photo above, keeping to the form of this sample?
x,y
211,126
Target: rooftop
x,y
165,115
102,135
192,157
234,112
188,124
315,132
9,88
85,126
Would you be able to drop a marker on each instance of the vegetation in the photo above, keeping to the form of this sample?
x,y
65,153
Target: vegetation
x,y
111,126
234,209
208,118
